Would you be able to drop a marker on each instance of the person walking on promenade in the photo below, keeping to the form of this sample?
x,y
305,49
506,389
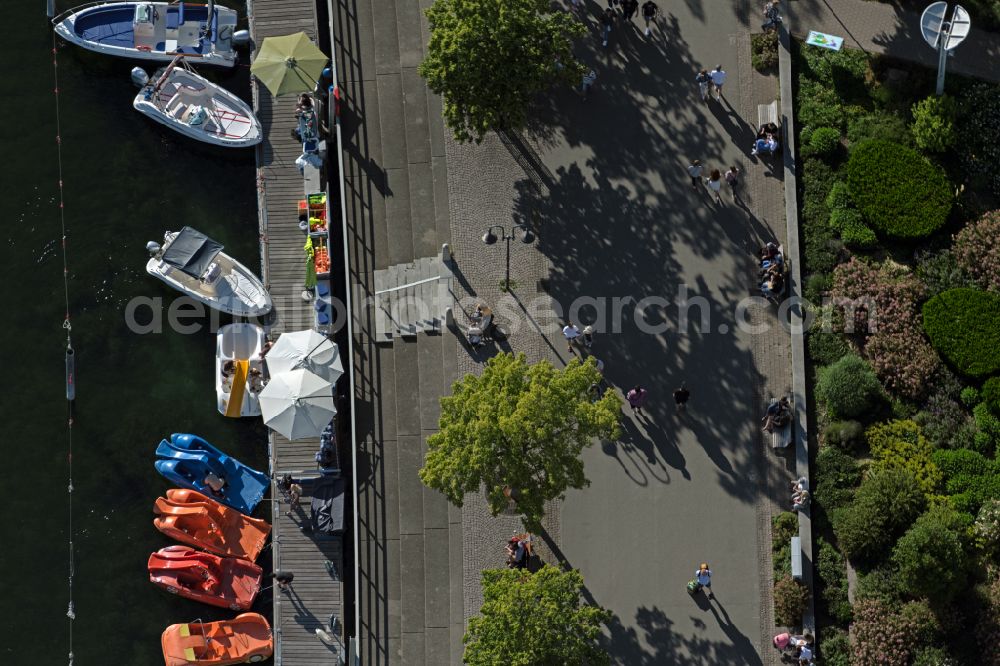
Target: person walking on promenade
x,y
607,20
649,12
704,577
588,336
714,182
733,179
681,396
718,80
588,81
571,333
694,170
637,398
704,81
629,8
772,16
283,579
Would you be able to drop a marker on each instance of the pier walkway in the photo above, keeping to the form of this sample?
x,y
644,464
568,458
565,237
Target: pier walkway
x,y
317,592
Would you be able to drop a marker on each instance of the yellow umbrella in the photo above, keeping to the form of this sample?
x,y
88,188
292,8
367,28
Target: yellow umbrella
x,y
288,64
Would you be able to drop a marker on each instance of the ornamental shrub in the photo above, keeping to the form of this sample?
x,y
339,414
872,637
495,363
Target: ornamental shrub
x,y
879,126
879,583
837,479
962,327
846,435
790,600
885,505
856,235
970,396
969,493
819,106
933,656
934,123
841,218
939,271
764,50
817,285
835,647
832,571
945,422
980,131
961,461
880,636
987,633
839,197
821,248
848,387
930,558
824,140
991,394
987,528
988,429
826,347
902,445
977,250
900,193
783,527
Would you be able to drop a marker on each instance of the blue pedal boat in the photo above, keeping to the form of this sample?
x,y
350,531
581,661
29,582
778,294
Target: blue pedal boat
x,y
188,461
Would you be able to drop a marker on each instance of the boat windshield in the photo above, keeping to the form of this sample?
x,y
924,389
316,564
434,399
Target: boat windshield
x,y
192,252
143,13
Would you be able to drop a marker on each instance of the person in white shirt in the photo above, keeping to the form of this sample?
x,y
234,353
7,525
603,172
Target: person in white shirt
x,y
704,577
718,80
571,333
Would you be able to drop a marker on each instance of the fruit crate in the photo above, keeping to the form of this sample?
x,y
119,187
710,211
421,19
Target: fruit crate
x,y
321,257
313,209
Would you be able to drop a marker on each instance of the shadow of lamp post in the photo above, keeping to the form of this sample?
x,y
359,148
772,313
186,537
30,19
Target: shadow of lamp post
x,y
491,238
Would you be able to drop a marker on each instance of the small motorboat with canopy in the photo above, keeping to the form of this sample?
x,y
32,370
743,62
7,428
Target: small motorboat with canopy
x,y
154,30
194,264
194,106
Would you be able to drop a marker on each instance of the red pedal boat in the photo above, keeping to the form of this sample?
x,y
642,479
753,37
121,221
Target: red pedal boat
x,y
246,639
190,517
228,582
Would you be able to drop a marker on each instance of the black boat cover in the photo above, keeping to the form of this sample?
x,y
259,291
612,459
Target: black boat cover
x,y
192,252
328,505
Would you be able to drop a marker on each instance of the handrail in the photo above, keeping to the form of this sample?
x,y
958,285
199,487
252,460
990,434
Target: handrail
x,y
69,12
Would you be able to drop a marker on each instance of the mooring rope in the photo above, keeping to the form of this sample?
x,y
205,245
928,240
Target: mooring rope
x,y
69,354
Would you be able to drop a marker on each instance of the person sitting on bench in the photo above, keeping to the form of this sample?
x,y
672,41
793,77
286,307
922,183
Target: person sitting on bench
x,y
778,415
766,144
774,285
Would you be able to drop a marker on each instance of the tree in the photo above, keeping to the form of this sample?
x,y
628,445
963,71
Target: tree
x,y
931,556
488,59
534,618
884,506
519,429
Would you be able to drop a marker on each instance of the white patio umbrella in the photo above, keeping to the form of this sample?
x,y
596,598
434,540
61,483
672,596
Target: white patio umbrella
x,y
297,403
307,350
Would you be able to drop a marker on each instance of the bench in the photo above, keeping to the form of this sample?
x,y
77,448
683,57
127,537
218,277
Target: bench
x,y
796,558
767,113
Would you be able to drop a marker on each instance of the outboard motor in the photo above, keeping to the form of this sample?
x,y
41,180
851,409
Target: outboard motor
x,y
241,38
139,76
153,248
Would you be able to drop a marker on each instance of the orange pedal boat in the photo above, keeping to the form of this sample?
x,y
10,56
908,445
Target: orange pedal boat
x,y
244,639
192,518
228,582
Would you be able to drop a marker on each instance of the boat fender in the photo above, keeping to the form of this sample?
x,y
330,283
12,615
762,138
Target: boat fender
x,y
147,49
139,76
241,38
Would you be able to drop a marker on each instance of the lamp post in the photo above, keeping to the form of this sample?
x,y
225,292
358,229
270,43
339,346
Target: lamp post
x,y
944,35
490,238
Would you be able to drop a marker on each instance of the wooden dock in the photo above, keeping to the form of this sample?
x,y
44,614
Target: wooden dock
x,y
317,593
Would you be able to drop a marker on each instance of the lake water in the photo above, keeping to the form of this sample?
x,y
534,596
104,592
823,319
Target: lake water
x,y
127,179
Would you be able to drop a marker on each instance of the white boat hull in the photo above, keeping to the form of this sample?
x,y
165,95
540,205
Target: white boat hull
x,y
197,108
235,290
103,27
238,342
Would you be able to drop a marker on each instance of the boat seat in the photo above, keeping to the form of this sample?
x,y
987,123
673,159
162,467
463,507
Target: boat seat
x,y
163,507
213,273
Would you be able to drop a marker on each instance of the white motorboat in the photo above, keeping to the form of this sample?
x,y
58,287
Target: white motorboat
x,y
239,369
154,30
194,264
194,106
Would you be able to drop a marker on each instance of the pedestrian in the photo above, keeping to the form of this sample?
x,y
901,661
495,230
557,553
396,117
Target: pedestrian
x,y
607,20
704,577
588,336
637,398
283,579
703,80
714,182
571,333
681,396
694,170
294,493
733,179
649,12
718,80
612,4
588,80
600,365
629,8
772,16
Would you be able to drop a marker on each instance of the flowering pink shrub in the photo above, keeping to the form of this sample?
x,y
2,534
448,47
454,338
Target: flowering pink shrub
x,y
887,321
977,250
882,636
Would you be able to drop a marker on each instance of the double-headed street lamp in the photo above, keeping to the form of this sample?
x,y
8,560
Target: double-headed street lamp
x,y
490,238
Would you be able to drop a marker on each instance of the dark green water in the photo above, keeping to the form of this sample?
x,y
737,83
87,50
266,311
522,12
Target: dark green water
x,y
126,180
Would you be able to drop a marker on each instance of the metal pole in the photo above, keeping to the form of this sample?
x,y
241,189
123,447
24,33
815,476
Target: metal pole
x,y
942,57
506,284
50,8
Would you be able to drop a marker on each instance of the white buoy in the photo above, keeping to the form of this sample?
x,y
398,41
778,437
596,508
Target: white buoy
x,y
241,38
153,248
139,76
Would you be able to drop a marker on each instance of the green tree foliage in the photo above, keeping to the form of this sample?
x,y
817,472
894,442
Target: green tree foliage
x,y
832,570
826,347
971,479
489,59
900,193
884,506
962,327
835,647
848,387
902,445
934,123
991,394
837,479
534,618
519,426
824,140
931,556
